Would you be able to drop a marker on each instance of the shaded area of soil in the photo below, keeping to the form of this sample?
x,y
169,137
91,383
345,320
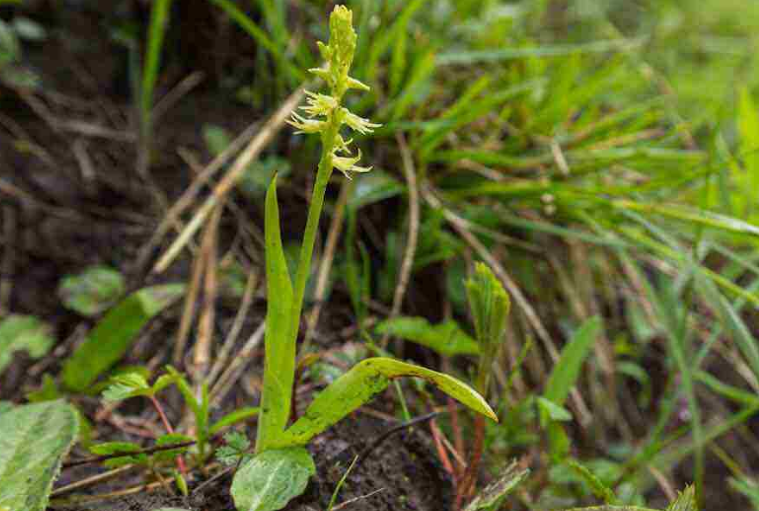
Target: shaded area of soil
x,y
402,474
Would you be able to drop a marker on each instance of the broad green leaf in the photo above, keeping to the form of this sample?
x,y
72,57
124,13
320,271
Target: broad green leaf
x,y
25,333
279,362
112,337
374,186
567,369
446,338
489,496
92,291
34,440
359,385
271,479
29,29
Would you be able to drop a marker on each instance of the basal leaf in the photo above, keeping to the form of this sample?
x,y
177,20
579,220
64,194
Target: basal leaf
x,y
446,338
359,385
112,337
567,369
34,440
25,333
279,363
271,479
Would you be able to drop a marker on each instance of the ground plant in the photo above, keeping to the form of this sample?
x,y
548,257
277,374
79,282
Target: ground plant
x,y
532,284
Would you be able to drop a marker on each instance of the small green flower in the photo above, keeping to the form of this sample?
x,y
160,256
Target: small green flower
x,y
324,112
347,164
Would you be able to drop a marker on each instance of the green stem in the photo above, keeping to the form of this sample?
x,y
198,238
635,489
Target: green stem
x,y
312,224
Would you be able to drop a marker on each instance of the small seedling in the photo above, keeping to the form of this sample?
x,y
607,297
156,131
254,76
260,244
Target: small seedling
x,y
280,450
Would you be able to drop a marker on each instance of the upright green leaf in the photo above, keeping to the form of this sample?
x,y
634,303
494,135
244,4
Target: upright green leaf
x,y
359,385
567,369
25,333
34,440
271,479
279,362
112,337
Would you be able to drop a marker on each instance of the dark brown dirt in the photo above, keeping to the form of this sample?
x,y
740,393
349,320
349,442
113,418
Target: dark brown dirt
x,y
402,474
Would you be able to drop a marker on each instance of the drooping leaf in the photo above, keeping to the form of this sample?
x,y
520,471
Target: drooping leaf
x,y
271,479
489,496
25,333
359,385
112,337
279,362
34,440
446,338
567,369
92,291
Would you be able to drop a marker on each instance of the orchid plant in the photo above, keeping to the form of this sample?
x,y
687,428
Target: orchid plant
x,y
282,466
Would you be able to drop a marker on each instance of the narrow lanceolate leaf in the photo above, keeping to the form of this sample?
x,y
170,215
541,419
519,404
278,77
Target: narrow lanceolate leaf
x,y
25,333
112,337
271,479
359,385
34,440
499,489
567,369
279,364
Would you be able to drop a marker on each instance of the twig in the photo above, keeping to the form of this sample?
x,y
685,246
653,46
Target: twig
x,y
356,499
188,312
237,365
255,147
202,352
234,332
89,481
105,457
407,264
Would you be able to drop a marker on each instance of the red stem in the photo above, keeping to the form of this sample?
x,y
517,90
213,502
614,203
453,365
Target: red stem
x,y
169,429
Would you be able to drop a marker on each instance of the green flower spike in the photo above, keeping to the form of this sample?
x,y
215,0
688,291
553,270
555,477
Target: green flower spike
x,y
324,113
